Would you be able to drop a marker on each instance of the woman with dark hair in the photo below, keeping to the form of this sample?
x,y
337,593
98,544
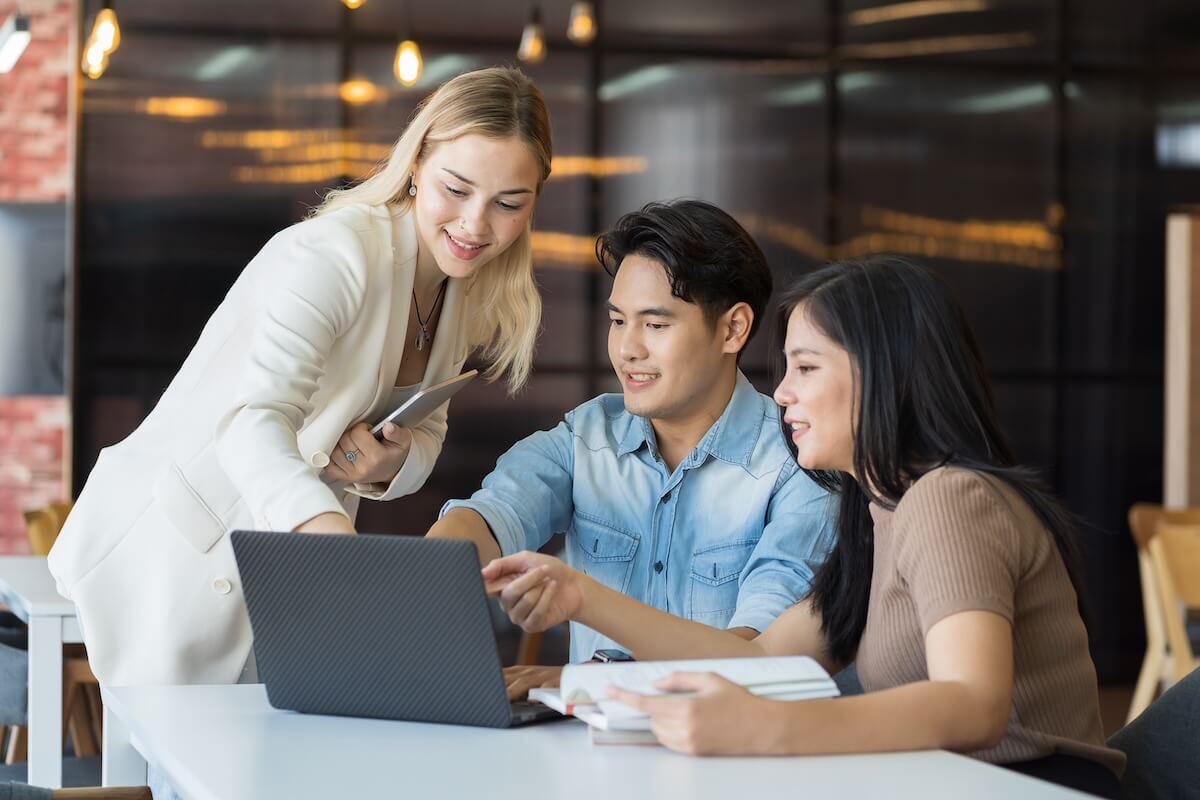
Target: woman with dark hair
x,y
952,586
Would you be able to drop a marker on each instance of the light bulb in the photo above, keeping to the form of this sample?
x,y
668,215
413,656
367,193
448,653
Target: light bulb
x,y
107,31
95,59
533,41
407,64
353,4
582,27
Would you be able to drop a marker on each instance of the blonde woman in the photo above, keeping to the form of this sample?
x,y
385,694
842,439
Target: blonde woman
x,y
386,287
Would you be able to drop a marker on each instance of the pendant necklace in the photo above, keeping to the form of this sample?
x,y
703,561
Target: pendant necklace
x,y
424,337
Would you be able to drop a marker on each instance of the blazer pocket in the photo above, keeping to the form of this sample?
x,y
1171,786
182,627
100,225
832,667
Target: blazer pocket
x,y
198,498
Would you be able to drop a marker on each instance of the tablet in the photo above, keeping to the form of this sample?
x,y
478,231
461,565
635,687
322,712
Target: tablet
x,y
423,403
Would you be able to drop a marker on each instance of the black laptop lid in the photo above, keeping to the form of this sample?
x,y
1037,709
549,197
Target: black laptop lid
x,y
372,626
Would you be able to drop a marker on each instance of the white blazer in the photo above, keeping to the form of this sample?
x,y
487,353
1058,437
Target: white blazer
x,y
307,341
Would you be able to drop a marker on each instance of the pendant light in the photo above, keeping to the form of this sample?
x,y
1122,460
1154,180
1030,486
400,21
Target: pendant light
x,y
105,30
95,59
581,28
533,40
103,40
14,36
407,63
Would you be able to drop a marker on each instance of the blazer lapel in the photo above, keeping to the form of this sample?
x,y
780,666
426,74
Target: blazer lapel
x,y
403,236
448,345
396,259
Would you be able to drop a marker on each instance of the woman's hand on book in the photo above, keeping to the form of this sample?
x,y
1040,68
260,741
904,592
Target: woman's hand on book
x,y
716,717
535,590
361,458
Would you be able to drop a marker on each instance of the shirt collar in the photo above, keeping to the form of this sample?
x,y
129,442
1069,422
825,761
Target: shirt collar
x,y
731,438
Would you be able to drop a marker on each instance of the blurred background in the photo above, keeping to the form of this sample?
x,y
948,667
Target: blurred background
x,y
1028,150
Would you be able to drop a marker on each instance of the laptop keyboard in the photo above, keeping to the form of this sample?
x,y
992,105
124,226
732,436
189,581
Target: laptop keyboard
x,y
527,711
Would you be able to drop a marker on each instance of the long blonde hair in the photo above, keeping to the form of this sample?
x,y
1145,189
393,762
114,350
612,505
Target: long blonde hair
x,y
505,309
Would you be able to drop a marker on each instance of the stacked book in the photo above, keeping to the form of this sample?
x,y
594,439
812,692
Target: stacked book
x,y
583,688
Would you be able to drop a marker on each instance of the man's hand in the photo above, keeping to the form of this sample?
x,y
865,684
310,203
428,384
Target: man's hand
x,y
520,679
537,591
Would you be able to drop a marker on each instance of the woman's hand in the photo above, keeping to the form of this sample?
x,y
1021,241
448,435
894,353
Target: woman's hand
x,y
361,458
721,718
535,590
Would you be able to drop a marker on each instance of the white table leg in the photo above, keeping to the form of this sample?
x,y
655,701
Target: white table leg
x,y
121,763
45,701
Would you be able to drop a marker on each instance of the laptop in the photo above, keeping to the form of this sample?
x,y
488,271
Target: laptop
x,y
396,627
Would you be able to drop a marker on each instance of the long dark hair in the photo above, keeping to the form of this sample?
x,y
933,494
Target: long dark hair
x,y
924,401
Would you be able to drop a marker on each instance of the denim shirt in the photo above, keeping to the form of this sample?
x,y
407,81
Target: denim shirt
x,y
730,538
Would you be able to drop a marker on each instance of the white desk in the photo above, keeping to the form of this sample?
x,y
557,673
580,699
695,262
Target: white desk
x,y
227,743
27,588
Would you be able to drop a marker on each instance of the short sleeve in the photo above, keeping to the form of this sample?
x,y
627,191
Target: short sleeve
x,y
957,546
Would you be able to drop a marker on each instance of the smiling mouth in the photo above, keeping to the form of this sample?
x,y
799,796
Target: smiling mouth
x,y
639,379
461,248
463,244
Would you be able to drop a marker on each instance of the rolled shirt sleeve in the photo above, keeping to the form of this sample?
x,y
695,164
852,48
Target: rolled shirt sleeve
x,y
796,540
528,497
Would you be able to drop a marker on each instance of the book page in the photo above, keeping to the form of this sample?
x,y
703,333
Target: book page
x,y
584,683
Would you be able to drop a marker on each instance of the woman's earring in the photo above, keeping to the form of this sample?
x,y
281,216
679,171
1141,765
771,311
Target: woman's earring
x,y
412,190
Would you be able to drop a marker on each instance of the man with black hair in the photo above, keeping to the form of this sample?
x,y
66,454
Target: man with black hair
x,y
679,492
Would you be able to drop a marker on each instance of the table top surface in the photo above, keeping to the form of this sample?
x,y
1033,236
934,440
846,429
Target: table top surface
x,y
227,742
27,587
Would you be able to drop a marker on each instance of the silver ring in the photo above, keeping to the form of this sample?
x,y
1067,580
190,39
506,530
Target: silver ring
x,y
351,455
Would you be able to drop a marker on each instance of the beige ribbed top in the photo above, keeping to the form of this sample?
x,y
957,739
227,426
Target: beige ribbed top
x,y
959,540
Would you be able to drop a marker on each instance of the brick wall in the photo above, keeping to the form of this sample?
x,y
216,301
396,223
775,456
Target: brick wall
x,y
34,167
34,158
31,462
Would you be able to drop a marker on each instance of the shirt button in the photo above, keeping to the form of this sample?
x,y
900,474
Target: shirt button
x,y
658,566
222,586
319,460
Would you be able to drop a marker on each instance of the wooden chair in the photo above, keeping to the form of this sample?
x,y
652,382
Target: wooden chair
x,y
529,646
82,709
90,793
1176,554
42,527
1156,667
106,793
1157,670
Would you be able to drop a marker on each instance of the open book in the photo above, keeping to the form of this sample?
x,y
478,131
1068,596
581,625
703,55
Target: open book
x,y
582,687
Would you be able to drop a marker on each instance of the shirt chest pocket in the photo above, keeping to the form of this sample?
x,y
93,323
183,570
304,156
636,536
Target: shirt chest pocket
x,y
713,588
602,550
